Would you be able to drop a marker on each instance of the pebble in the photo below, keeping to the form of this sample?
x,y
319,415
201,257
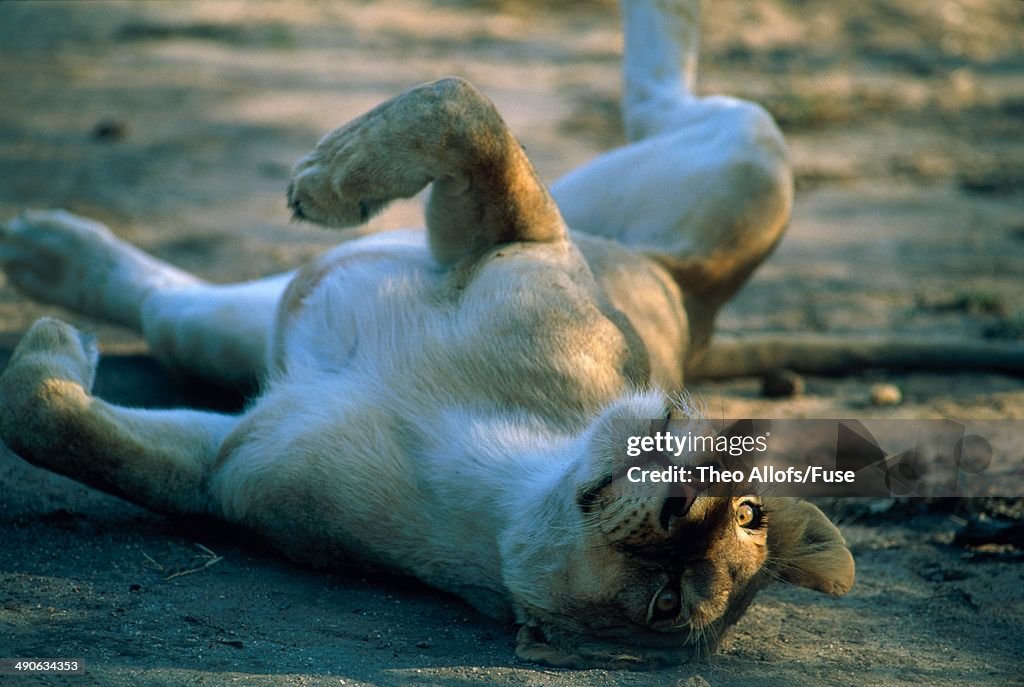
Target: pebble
x,y
782,384
109,130
886,395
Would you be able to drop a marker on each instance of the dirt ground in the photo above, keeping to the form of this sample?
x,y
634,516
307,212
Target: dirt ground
x,y
177,124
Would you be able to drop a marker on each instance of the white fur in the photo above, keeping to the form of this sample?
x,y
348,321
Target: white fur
x,y
433,403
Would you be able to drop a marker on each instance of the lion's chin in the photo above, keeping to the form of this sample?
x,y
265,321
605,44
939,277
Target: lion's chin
x,y
559,650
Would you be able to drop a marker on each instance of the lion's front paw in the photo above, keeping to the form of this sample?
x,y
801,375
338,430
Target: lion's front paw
x,y
314,195
433,131
352,175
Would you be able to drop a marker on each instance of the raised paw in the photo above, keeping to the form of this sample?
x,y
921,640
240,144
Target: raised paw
x,y
393,151
60,258
485,191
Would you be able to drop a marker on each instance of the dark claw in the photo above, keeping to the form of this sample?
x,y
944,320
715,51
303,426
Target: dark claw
x,y
293,203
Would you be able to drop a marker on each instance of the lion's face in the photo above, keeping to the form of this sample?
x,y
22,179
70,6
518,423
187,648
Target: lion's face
x,y
657,585
660,571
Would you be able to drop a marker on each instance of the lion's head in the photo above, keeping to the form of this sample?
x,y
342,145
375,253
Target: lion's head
x,y
642,575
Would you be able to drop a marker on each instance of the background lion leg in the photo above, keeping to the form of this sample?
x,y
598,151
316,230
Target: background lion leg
x,y
158,459
704,186
57,257
219,332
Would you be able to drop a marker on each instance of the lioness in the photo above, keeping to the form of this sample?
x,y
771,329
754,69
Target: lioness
x,y
454,403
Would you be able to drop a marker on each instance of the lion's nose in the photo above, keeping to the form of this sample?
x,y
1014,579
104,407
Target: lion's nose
x,y
677,504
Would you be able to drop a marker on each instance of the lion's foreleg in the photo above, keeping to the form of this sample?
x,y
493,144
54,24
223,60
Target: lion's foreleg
x,y
485,190
158,459
659,64
704,186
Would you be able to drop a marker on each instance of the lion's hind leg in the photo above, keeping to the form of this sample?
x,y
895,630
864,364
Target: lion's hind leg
x,y
57,257
217,331
156,458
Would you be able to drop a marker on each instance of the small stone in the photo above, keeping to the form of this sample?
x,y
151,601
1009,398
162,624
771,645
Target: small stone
x,y
886,395
782,384
109,130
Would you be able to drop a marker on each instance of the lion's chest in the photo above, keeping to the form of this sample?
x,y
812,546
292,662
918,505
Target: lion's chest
x,y
520,332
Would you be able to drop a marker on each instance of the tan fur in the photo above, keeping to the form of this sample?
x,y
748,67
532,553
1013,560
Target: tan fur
x,y
453,405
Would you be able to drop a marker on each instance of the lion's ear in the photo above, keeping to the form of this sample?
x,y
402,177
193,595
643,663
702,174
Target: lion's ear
x,y
806,549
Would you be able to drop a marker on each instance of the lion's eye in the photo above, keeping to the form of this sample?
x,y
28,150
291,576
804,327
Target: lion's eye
x,y
666,604
748,515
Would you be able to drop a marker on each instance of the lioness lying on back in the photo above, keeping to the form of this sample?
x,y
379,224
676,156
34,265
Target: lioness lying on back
x,y
454,403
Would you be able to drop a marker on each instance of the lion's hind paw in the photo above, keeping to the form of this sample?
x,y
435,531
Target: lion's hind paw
x,y
51,349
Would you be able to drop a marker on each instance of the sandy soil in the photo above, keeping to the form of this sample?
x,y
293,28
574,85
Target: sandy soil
x,y
177,125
